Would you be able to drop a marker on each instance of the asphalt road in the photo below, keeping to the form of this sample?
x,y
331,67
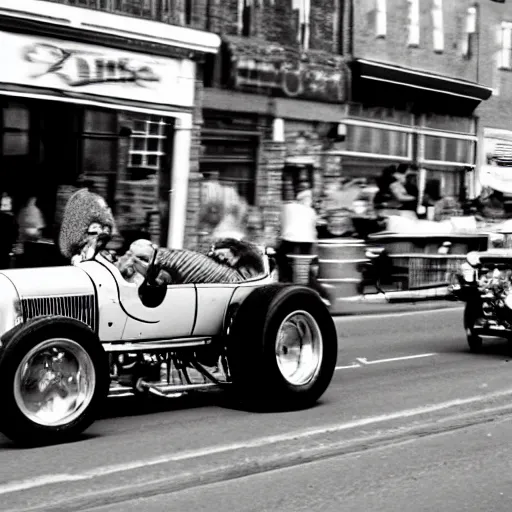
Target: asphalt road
x,y
407,397
466,470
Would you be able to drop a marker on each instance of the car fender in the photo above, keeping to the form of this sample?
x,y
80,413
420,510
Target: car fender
x,y
10,306
239,296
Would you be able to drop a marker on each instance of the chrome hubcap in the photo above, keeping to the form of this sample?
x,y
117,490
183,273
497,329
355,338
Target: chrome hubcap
x,y
54,382
299,348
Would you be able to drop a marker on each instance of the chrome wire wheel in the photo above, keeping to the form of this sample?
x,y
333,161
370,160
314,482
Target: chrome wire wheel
x,y
55,382
299,348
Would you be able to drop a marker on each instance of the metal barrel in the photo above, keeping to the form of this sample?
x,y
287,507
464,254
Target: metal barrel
x,y
301,264
339,260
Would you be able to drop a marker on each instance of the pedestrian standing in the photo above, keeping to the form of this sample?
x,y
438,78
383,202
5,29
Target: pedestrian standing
x,y
298,236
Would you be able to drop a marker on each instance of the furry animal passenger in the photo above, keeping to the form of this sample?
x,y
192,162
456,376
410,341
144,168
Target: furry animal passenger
x,y
229,261
87,227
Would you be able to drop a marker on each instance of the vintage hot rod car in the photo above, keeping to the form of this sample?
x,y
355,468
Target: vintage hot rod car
x,y
70,336
484,283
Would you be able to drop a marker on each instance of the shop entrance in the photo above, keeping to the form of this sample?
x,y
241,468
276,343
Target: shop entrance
x,y
48,150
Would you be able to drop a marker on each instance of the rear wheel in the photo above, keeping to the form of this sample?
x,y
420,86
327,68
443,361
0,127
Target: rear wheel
x,y
472,313
53,378
283,346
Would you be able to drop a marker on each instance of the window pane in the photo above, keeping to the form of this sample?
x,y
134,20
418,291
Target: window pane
x,y
363,139
238,176
139,144
452,123
139,126
155,128
99,121
136,159
16,117
154,144
448,149
15,144
99,156
153,160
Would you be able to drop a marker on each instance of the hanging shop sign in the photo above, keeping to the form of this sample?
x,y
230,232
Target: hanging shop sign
x,y
83,68
256,68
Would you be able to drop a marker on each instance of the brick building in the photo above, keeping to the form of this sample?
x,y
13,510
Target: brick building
x,y
408,81
103,100
273,99
417,80
314,90
493,53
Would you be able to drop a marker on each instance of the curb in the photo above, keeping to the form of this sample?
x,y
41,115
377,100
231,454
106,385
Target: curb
x,y
263,463
361,308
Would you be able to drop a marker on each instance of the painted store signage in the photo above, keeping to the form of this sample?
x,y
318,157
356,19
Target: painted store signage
x,y
291,77
84,68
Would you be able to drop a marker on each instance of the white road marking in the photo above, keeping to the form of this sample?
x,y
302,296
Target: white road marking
x,y
23,485
353,365
362,361
365,361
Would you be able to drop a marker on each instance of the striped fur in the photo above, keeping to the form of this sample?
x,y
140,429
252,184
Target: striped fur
x,y
186,266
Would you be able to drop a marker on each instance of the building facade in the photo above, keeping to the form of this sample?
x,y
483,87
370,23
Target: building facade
x,y
417,83
300,93
494,34
274,96
95,99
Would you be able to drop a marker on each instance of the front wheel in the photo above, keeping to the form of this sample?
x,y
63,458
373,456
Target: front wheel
x,y
53,378
283,346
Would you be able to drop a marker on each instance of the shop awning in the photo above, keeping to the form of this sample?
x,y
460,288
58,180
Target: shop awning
x,y
417,84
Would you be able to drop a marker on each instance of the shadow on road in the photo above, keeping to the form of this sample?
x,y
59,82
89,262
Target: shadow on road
x,y
148,405
498,348
126,407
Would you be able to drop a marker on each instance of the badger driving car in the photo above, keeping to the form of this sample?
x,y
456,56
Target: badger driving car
x,y
71,336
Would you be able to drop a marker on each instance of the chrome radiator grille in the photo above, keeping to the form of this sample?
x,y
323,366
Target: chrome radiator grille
x,y
79,307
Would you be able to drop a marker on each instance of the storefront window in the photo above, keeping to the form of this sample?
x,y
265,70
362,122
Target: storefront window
x,y
378,141
146,143
444,149
450,181
450,123
50,149
231,156
15,130
100,139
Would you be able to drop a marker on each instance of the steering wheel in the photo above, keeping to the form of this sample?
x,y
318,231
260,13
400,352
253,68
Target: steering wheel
x,y
152,269
151,293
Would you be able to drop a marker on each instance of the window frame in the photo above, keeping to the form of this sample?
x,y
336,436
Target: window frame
x,y
303,27
248,138
385,127
413,36
380,18
244,17
505,52
438,26
470,30
146,136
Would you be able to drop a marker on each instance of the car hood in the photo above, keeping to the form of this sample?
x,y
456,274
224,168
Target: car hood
x,y
50,281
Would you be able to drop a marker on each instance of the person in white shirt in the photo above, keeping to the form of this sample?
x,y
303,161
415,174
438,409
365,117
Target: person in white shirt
x,y
298,236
